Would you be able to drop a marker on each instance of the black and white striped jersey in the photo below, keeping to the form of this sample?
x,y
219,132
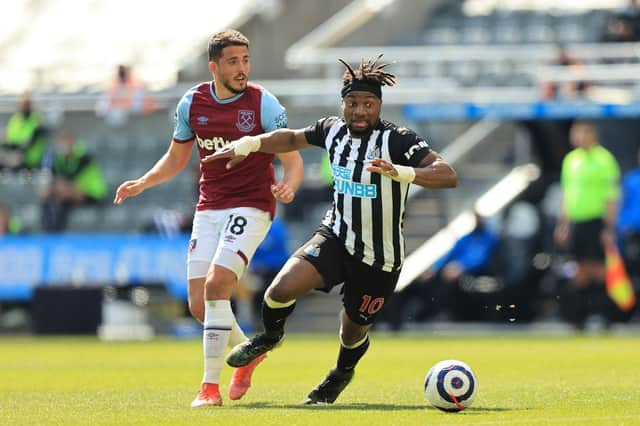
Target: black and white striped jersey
x,y
368,209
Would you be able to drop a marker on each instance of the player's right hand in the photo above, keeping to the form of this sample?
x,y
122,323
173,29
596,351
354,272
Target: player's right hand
x,y
236,150
226,152
129,188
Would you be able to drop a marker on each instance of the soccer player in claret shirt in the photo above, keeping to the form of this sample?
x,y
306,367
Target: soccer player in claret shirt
x,y
235,208
359,243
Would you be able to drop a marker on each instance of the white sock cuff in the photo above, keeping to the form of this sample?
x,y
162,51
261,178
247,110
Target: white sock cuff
x,y
277,305
355,345
218,314
217,304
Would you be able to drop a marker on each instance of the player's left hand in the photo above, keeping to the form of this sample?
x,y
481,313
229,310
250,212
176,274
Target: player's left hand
x,y
282,192
378,165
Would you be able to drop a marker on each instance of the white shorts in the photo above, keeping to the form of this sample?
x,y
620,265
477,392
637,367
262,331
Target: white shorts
x,y
227,238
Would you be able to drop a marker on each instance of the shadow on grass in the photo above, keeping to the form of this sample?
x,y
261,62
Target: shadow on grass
x,y
365,406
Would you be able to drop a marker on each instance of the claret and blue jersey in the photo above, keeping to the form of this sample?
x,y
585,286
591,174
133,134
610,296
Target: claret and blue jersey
x,y
213,123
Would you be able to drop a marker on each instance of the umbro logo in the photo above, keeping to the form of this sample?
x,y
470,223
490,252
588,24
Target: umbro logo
x,y
202,120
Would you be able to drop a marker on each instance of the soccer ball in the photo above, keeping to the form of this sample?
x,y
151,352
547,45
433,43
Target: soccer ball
x,y
450,385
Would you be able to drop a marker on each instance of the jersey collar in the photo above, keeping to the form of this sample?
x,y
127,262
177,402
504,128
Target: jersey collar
x,y
223,101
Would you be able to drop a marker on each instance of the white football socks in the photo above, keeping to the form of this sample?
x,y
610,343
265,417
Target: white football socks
x,y
218,325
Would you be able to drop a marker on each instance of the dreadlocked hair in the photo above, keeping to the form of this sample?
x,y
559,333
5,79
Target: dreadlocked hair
x,y
370,71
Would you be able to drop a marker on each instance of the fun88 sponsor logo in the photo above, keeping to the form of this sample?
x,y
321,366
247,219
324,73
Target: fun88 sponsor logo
x,y
344,185
212,144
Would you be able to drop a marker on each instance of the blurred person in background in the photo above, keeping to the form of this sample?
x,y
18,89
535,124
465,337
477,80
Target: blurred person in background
x,y
568,89
236,207
621,28
77,181
168,223
590,189
269,258
628,226
436,291
125,95
9,225
25,138
359,244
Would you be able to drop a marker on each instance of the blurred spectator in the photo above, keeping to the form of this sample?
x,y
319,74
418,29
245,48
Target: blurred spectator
x,y
633,11
169,223
628,225
77,181
124,96
565,89
268,259
622,27
587,218
519,242
25,139
550,207
9,225
438,289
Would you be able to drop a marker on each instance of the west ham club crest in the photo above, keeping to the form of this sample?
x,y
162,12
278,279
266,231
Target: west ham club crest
x,y
246,120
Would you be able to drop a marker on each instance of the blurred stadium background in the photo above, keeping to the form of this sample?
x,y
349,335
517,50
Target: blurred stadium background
x,y
482,80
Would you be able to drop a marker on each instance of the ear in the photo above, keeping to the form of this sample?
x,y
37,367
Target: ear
x,y
213,67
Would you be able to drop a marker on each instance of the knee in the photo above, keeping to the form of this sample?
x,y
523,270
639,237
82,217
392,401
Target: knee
x,y
278,293
219,284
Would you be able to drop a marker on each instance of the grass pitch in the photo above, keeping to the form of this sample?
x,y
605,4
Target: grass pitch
x,y
521,380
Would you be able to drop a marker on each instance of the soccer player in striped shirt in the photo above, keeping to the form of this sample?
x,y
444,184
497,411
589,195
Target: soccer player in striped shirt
x,y
359,243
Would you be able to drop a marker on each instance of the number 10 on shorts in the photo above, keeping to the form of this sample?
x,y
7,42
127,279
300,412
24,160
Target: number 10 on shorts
x,y
371,306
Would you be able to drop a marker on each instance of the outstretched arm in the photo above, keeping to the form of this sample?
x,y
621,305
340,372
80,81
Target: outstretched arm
x,y
169,165
433,172
278,141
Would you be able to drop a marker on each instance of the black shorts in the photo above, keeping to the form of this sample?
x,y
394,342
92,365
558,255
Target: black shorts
x,y
586,240
365,290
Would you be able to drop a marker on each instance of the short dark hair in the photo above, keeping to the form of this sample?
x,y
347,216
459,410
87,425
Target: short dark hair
x,y
223,39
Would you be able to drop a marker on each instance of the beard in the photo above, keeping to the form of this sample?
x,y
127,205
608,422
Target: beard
x,y
232,89
361,132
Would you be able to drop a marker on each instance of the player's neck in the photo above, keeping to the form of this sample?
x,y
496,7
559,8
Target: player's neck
x,y
222,92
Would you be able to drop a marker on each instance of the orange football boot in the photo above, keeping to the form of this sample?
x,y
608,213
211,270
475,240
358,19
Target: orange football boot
x,y
241,379
208,396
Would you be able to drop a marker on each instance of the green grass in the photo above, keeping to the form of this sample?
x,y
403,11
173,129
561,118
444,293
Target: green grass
x,y
522,380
